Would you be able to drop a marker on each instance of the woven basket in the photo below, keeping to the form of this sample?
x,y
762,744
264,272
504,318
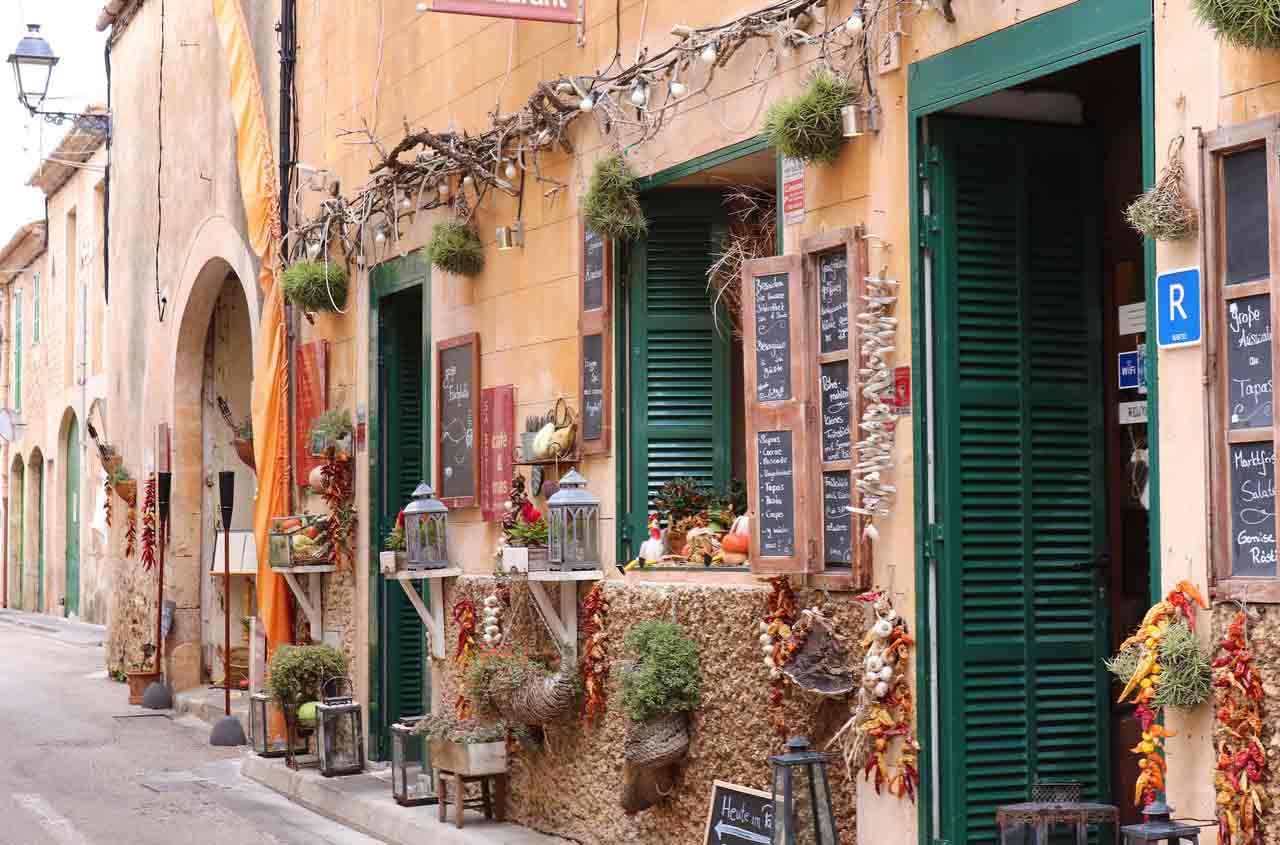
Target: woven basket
x,y
542,700
657,742
244,450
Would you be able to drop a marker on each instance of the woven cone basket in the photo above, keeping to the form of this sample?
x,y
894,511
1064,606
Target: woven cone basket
x,y
542,700
657,742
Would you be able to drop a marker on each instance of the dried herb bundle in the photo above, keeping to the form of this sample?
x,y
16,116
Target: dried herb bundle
x,y
611,205
316,285
1185,670
753,233
808,126
1164,213
455,248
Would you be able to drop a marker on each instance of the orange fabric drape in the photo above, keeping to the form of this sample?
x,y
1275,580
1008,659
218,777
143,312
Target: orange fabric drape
x,y
256,162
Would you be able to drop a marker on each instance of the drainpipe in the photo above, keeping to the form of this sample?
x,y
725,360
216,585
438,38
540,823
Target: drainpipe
x,y
4,395
288,59
1208,365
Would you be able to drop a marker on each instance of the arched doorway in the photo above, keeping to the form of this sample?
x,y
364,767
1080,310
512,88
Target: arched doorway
x,y
17,505
35,477
72,520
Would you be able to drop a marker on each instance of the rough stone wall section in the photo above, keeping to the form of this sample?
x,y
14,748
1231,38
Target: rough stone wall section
x,y
571,787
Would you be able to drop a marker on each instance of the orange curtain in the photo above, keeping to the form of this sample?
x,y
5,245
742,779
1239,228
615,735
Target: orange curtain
x,y
256,162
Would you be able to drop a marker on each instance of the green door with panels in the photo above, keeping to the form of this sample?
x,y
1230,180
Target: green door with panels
x,y
680,367
73,518
38,475
403,432
1020,485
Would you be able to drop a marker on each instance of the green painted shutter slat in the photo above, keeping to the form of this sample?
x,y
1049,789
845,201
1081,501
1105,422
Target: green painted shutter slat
x,y
1021,489
73,518
17,350
680,364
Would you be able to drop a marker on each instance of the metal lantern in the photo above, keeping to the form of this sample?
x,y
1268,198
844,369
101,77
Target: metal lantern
x,y
32,62
1159,827
261,707
412,781
573,525
802,797
339,732
426,530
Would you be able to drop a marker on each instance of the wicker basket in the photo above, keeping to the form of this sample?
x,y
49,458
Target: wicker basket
x,y
657,742
542,700
244,448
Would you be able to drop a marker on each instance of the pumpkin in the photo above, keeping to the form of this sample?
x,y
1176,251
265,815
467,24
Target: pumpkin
x,y
735,543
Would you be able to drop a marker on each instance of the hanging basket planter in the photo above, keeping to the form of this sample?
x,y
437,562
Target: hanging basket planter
x,y
316,285
519,691
455,248
1251,24
808,125
611,205
1164,213
127,490
244,449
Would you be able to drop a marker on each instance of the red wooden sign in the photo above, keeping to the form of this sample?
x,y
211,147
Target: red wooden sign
x,y
311,397
556,11
497,427
902,390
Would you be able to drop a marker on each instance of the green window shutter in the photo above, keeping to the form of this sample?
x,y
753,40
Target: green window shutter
x,y
17,350
680,372
35,305
1021,479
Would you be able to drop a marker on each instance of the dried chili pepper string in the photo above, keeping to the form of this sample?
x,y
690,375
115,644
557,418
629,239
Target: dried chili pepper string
x,y
336,475
149,525
595,668
1241,768
777,624
464,614
106,504
891,717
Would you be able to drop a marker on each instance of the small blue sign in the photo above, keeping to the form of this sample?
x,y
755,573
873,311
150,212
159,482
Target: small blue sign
x,y
1130,374
1178,316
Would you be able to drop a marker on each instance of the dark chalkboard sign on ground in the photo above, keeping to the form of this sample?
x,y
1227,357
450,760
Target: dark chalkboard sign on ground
x,y
1252,492
458,380
739,815
777,494
1248,342
773,338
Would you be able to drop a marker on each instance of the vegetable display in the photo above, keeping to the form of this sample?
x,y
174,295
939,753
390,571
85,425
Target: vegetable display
x,y
1242,769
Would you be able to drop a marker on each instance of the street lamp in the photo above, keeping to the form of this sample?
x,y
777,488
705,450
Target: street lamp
x,y
33,61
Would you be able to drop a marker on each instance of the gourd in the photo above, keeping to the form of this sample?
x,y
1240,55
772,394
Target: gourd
x,y
735,545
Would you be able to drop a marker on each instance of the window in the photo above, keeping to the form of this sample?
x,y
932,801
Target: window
x,y
17,350
35,306
1241,173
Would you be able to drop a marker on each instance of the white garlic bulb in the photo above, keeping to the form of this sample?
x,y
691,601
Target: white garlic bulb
x,y
490,601
874,662
767,649
891,615
882,629
768,661
764,627
492,630
886,674
881,690
765,639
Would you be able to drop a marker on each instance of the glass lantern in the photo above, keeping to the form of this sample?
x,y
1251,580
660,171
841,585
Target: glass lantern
x,y
802,797
261,709
339,733
573,525
426,530
412,781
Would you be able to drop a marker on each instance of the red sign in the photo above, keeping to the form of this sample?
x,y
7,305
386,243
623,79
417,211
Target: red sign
x,y
792,191
902,390
556,11
311,398
497,427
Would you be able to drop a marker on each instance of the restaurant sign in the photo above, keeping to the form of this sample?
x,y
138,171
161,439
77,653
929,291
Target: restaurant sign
x,y
558,11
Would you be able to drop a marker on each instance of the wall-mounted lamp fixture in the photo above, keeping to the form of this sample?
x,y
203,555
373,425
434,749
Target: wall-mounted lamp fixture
x,y
510,237
857,119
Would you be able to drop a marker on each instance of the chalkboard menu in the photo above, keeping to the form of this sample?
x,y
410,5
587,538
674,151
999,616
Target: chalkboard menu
x,y
1252,493
836,407
739,815
1248,352
592,387
773,338
459,412
777,494
593,270
837,522
833,301
1244,177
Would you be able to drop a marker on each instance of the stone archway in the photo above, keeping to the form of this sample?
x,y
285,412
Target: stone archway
x,y
35,593
17,525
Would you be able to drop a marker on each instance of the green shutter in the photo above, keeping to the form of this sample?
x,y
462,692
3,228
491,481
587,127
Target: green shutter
x,y
73,519
35,305
1021,481
17,350
680,371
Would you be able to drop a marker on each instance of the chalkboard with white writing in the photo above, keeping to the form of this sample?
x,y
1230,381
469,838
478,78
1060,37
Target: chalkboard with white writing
x,y
837,522
459,419
836,407
777,507
773,338
833,301
739,815
1252,494
593,271
592,387
1248,341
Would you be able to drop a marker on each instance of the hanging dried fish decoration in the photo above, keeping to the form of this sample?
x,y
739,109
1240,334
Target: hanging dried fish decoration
x,y
877,328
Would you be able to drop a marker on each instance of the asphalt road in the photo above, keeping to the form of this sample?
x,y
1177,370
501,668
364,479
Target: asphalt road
x,y
79,766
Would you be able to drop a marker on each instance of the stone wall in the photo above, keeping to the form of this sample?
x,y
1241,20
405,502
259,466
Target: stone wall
x,y
571,787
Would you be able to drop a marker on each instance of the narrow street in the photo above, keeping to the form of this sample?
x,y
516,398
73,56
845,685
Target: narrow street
x,y
79,766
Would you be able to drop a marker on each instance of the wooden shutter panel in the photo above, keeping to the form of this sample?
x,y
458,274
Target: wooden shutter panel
x,y
595,351
780,430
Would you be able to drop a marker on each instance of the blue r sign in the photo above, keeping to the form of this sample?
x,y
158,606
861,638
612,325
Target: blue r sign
x,y
1178,321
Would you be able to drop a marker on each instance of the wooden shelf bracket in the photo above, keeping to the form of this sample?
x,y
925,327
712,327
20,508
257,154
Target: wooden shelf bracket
x,y
432,617
563,624
310,598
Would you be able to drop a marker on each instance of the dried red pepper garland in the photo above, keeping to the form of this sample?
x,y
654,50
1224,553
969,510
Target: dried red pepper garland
x,y
775,632
131,532
336,475
106,505
149,525
1242,759
595,668
464,614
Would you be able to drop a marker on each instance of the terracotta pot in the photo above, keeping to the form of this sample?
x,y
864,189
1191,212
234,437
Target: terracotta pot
x,y
138,683
244,448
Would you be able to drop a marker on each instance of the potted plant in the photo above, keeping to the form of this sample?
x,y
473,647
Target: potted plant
x,y
518,690
392,557
524,532
331,430
139,677
124,485
242,441
466,747
296,681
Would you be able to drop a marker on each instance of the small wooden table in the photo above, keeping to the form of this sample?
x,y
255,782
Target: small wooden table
x,y
1042,815
493,803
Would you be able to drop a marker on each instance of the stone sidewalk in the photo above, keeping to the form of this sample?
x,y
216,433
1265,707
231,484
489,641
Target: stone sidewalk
x,y
58,628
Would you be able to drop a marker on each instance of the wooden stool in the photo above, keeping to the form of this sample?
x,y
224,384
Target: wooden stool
x,y
494,804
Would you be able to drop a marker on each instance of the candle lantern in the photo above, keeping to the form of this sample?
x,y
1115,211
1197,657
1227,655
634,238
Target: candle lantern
x,y
412,781
802,797
261,708
1158,826
426,530
339,731
573,525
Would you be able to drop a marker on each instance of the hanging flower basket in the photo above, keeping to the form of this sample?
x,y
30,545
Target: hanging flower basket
x,y
1252,24
808,125
244,448
316,285
611,206
127,490
455,248
657,742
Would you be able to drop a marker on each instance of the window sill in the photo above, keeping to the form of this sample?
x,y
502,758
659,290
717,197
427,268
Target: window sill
x,y
1262,590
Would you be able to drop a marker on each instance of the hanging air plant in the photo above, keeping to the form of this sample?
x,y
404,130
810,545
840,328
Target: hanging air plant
x,y
1252,24
455,248
808,126
611,206
316,285
1164,212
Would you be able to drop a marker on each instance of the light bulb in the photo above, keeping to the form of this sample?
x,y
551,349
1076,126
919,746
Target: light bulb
x,y
854,24
421,7
511,171
443,189
709,54
678,89
380,236
639,95
587,103
313,249
406,204
467,181
544,136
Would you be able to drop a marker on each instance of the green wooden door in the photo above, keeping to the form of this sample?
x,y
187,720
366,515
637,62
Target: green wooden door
x,y
402,396
17,527
38,475
1020,468
73,519
680,368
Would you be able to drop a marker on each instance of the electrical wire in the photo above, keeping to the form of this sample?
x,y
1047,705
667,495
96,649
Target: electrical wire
x,y
161,301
